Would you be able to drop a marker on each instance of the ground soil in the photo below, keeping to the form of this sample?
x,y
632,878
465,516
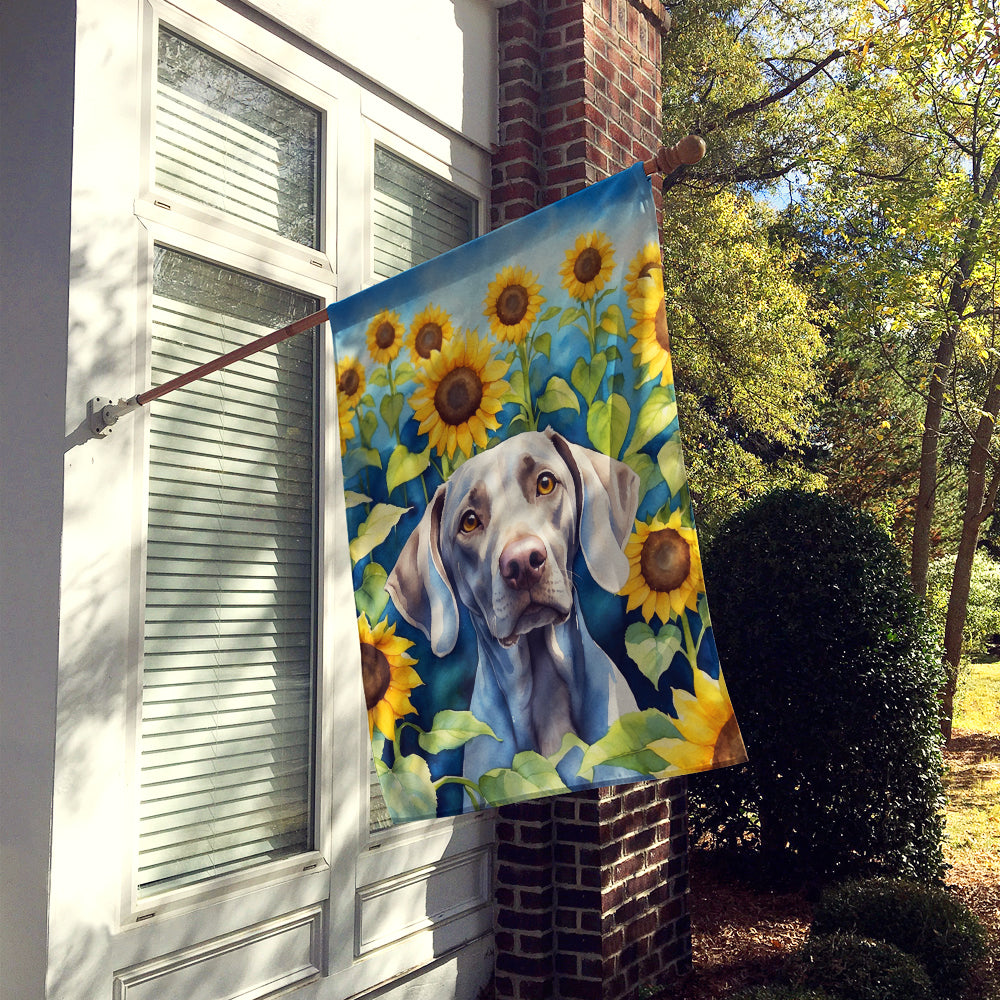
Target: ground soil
x,y
742,934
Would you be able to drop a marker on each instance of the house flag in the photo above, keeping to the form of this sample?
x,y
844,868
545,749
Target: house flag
x,y
531,607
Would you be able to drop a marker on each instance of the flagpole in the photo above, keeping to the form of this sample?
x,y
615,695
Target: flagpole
x,y
103,413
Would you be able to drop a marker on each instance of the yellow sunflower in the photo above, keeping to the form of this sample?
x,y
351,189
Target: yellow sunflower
x,y
388,674
385,337
345,421
665,573
708,724
461,388
350,382
588,266
430,331
644,287
512,303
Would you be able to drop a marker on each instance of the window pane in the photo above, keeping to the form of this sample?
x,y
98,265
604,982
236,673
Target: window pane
x,y
228,659
228,140
417,215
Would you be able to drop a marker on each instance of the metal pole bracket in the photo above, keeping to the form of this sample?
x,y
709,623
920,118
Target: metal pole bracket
x,y
103,413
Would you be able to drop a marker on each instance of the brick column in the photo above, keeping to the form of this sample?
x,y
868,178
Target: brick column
x,y
591,889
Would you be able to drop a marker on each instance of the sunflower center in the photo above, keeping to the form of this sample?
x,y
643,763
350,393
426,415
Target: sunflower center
x,y
660,326
588,265
376,673
429,338
458,396
512,304
666,560
349,382
385,335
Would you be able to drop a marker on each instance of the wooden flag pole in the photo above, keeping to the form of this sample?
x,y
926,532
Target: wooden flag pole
x,y
687,152
103,413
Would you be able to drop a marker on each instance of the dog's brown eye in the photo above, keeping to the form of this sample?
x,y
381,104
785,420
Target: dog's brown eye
x,y
546,484
469,522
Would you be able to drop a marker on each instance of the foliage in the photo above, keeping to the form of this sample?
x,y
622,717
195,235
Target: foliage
x,y
857,968
748,358
983,615
833,675
926,922
782,992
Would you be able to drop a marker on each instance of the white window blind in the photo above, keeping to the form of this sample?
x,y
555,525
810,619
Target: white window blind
x,y
228,661
416,215
228,140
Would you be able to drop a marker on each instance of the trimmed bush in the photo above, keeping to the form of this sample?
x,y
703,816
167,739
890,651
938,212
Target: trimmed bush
x,y
782,993
856,968
834,673
925,922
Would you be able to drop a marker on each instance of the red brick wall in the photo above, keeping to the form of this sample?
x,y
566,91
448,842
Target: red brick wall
x,y
579,96
591,889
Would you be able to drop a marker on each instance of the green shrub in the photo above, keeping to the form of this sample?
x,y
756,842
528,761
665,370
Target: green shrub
x,y
925,922
782,993
856,968
834,674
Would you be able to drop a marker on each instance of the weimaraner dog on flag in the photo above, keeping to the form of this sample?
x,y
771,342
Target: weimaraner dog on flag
x,y
501,536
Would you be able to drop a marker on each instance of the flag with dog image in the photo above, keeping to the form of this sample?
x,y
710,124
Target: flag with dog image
x,y
531,608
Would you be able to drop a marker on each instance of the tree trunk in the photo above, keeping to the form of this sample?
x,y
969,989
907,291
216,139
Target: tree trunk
x,y
920,553
979,503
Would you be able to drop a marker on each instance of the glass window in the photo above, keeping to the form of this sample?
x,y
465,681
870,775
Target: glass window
x,y
228,680
416,215
228,140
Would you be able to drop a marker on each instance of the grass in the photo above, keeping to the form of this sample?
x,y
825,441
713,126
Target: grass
x,y
973,785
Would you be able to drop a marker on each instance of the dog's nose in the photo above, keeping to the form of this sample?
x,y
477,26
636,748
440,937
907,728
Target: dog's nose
x,y
522,561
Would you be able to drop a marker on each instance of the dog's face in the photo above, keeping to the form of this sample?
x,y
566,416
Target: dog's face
x,y
508,535
502,534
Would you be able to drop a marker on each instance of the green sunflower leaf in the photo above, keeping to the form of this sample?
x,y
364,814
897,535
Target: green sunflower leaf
x,y
570,315
655,416
453,729
607,424
355,499
647,471
391,407
653,653
549,314
371,597
532,775
405,372
367,400
613,321
587,378
373,531
405,465
627,744
408,789
379,377
543,344
670,459
356,459
368,423
558,395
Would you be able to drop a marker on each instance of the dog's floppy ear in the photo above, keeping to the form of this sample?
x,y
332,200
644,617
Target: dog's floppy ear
x,y
419,584
607,501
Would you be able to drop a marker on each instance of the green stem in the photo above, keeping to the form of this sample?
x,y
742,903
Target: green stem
x,y
690,648
471,788
522,351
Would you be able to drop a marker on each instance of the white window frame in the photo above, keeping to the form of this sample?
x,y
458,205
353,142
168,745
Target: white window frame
x,y
352,875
